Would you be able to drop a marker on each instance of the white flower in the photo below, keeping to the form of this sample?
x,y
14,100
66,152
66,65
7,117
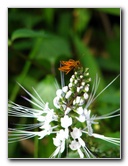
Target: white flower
x,y
40,118
51,116
66,121
80,110
61,135
78,101
59,142
47,115
85,116
76,133
47,130
56,102
81,118
76,145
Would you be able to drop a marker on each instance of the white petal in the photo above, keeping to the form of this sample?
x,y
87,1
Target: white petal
x,y
87,88
59,92
56,141
75,81
67,110
56,102
68,94
82,143
78,89
66,121
74,145
41,118
78,99
81,118
56,152
85,96
80,110
71,80
81,102
83,83
70,85
62,146
76,133
81,76
80,153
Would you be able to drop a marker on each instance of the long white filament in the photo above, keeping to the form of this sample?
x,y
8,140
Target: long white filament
x,y
92,97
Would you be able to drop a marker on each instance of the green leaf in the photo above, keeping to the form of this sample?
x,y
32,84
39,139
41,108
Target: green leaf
x,y
109,64
27,33
53,48
28,82
25,70
46,89
23,45
105,146
48,14
64,27
82,19
112,11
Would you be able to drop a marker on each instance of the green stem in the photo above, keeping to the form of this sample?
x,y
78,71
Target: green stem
x,y
36,142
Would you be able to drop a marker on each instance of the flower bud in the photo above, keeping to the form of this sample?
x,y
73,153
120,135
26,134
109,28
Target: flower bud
x,y
85,96
65,89
87,88
70,85
59,92
68,94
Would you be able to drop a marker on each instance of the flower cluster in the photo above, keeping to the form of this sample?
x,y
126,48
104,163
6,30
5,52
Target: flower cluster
x,y
73,103
73,96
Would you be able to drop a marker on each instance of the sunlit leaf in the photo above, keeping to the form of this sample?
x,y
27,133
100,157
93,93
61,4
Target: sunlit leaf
x,y
28,82
47,90
52,48
27,33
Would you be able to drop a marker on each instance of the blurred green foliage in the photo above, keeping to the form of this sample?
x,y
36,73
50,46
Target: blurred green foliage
x,y
39,38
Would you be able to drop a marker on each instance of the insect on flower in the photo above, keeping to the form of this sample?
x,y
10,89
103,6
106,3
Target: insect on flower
x,y
67,66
